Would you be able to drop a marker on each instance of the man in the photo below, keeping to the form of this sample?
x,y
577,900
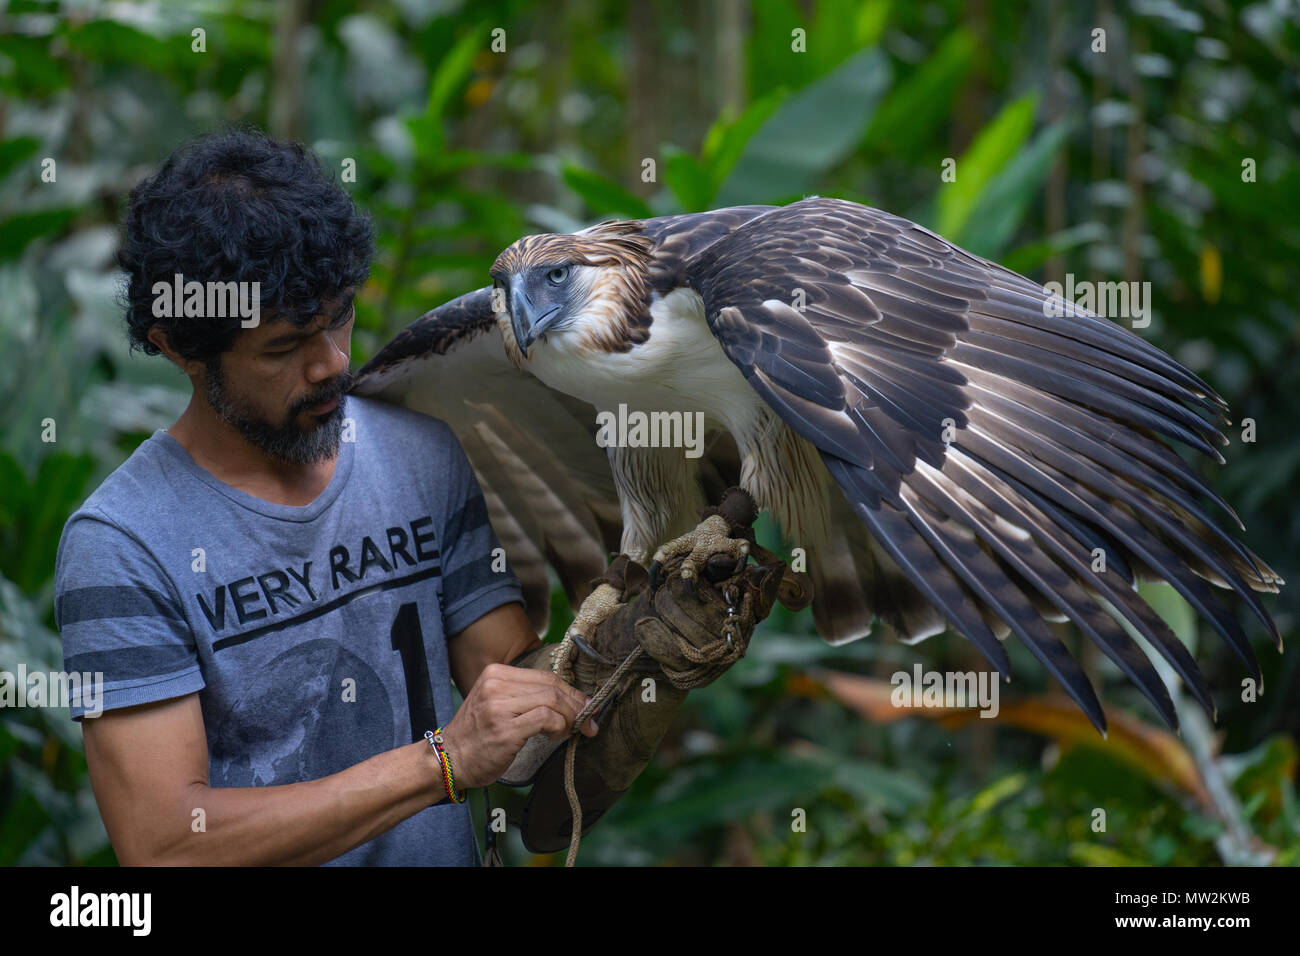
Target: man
x,y
278,587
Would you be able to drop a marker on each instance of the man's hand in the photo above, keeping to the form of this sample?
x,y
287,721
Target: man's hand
x,y
505,707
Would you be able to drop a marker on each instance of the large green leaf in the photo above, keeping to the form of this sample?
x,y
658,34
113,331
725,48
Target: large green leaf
x,y
452,72
688,178
727,138
27,68
1002,204
772,61
30,532
1171,606
989,154
14,151
453,69
19,230
842,27
916,107
809,133
107,41
1025,259
604,196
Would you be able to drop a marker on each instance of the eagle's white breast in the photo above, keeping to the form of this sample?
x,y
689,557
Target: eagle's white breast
x,y
681,367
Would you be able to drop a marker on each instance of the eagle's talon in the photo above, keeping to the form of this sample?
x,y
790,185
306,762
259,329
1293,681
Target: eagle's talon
x,y
700,549
581,644
656,568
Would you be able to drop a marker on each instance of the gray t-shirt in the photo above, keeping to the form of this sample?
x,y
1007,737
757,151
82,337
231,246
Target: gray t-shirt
x,y
315,635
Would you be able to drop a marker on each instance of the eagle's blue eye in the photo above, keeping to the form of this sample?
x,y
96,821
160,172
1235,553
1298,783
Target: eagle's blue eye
x,y
557,275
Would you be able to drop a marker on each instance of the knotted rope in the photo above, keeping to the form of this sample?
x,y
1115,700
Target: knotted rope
x,y
705,664
607,690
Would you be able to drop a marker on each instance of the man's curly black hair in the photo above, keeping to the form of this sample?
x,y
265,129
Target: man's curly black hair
x,y
239,206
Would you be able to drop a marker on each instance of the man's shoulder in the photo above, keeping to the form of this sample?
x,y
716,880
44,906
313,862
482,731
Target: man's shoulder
x,y
400,430
135,487
364,408
108,530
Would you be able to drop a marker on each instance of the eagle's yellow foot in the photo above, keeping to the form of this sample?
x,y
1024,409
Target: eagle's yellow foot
x,y
707,539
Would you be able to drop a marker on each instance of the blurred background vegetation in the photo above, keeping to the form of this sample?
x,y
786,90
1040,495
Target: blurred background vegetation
x,y
472,124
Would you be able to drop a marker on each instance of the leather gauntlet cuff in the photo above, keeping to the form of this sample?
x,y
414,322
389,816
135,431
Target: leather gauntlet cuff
x,y
683,634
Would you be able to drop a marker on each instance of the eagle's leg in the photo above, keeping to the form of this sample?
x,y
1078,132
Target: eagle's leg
x,y
650,482
659,497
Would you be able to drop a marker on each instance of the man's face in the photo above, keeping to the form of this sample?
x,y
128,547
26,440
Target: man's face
x,y
282,388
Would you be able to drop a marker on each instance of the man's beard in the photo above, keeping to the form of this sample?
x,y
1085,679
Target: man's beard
x,y
285,442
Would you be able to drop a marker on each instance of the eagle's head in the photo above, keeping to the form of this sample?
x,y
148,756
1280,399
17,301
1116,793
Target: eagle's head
x,y
585,291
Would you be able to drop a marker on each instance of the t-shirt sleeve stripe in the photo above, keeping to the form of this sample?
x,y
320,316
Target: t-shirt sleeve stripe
x,y
145,659
456,619
102,602
132,693
473,580
119,619
471,516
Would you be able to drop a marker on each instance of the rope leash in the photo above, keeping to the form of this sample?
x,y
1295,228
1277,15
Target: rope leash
x,y
706,659
607,690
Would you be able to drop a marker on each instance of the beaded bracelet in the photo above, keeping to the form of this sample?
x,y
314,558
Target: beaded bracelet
x,y
448,781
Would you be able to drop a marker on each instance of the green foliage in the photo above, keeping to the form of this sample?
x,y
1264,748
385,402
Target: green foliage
x,y
47,809
32,515
809,133
993,149
460,150
603,196
1000,206
918,105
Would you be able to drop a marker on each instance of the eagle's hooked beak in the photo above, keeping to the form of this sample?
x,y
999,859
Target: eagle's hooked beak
x,y
527,320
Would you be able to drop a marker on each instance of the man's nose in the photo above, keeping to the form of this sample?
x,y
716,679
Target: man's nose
x,y
329,361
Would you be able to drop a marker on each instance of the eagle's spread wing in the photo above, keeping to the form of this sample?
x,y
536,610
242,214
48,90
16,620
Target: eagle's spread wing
x,y
904,340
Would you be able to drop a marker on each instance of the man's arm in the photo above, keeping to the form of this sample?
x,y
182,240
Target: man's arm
x,y
498,637
149,770
149,767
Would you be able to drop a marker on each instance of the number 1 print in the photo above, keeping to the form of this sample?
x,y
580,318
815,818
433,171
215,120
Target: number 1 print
x,y
408,640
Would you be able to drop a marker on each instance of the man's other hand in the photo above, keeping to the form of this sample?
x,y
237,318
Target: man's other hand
x,y
505,707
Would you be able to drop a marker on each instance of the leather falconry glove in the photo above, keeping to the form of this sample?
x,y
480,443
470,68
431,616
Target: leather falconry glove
x,y
667,633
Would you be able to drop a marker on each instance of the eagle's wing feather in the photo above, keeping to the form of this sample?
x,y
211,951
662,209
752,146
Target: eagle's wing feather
x,y
547,485
875,339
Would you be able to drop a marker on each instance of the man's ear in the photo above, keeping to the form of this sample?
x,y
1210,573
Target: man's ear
x,y
158,337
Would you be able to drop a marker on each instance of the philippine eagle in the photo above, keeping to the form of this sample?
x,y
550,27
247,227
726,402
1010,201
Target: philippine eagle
x,y
943,444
